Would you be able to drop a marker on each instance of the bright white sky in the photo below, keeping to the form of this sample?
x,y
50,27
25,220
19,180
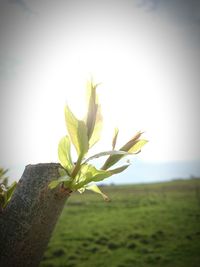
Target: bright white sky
x,y
146,59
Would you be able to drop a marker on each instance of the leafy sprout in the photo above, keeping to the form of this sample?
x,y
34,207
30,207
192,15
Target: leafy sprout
x,y
5,190
83,134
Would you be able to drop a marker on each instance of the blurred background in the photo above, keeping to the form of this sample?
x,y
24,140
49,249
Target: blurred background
x,y
146,54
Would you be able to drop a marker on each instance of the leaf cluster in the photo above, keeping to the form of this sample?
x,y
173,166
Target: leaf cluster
x,y
5,190
84,134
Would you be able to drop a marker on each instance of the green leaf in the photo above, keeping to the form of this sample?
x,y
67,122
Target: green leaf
x,y
66,179
92,108
5,190
97,128
62,172
6,194
127,147
10,191
118,170
2,173
89,173
106,153
116,132
53,184
97,190
94,119
64,154
131,142
3,178
138,145
77,131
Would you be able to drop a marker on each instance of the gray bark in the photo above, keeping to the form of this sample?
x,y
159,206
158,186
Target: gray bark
x,y
27,222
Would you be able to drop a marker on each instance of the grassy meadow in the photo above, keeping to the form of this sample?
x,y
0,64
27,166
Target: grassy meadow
x,y
143,225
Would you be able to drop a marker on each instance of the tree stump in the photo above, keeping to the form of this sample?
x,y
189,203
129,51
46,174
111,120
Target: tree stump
x,y
28,221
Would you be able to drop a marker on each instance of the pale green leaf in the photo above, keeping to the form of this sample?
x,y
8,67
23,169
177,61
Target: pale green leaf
x,y
53,184
97,128
92,108
62,172
114,141
11,190
77,131
112,159
118,170
137,147
106,153
3,177
64,154
131,142
6,193
97,190
66,179
89,173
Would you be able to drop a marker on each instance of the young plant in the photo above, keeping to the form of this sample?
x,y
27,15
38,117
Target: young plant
x,y
5,190
83,134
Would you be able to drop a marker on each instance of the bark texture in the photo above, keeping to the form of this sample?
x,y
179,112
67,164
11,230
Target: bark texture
x,y
27,222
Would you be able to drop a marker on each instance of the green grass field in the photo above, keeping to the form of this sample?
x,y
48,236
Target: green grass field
x,y
143,225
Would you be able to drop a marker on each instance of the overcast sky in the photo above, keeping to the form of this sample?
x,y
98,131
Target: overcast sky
x,y
145,53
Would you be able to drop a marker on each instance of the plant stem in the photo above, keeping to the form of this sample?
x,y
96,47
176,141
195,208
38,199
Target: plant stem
x,y
77,167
